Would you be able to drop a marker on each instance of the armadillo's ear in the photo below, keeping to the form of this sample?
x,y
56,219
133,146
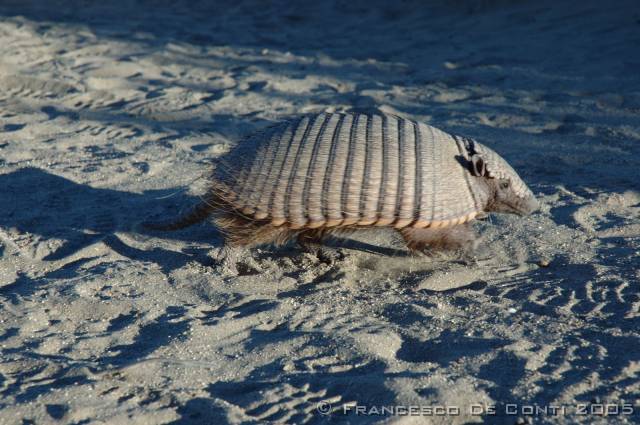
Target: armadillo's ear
x,y
478,166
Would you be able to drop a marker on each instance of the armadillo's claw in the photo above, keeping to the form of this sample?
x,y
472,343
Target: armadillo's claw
x,y
325,254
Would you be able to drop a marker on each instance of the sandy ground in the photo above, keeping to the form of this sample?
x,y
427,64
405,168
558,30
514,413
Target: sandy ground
x,y
110,110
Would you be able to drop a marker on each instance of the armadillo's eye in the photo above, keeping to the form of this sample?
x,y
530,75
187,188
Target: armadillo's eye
x,y
504,184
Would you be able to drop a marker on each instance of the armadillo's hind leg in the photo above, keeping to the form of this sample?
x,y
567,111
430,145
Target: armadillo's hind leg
x,y
460,238
241,233
311,241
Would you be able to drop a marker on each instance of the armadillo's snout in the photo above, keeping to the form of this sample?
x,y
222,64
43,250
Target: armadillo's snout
x,y
529,205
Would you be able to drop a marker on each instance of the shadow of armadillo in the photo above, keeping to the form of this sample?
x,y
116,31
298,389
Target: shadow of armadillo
x,y
49,217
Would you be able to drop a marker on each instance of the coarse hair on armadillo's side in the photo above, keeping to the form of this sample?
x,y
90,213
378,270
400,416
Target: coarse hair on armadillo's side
x,y
237,228
240,231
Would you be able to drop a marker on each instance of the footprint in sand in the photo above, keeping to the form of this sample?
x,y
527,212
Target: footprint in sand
x,y
611,215
16,86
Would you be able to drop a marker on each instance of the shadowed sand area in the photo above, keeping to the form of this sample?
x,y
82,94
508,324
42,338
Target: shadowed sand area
x,y
112,112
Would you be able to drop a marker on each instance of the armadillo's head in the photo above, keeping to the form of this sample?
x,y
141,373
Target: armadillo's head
x,y
505,190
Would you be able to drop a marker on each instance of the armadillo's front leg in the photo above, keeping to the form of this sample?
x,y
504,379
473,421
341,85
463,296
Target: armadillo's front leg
x,y
459,238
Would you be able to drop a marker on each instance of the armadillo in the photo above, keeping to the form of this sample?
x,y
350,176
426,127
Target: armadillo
x,y
320,174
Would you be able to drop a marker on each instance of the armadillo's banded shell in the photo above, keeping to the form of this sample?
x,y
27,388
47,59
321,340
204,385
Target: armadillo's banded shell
x,y
351,169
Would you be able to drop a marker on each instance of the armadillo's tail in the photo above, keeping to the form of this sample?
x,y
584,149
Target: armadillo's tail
x,y
215,201
195,215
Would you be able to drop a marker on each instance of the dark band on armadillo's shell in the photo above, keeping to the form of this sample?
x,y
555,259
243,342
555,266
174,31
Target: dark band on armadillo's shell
x,y
351,169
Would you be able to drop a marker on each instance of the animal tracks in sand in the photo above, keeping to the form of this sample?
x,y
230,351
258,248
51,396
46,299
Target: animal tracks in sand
x,y
19,86
276,402
611,215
